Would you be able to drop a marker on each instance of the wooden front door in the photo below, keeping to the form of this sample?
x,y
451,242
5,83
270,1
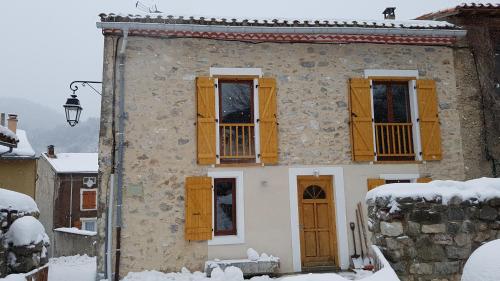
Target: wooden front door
x,y
318,242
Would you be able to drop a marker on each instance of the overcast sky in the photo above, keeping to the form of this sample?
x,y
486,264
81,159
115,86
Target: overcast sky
x,y
44,45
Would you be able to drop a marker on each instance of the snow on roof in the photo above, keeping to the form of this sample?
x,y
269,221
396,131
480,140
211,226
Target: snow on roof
x,y
75,230
74,162
273,22
478,189
23,148
11,200
25,231
8,135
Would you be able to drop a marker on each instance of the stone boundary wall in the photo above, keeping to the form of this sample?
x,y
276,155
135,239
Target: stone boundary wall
x,y
71,244
428,240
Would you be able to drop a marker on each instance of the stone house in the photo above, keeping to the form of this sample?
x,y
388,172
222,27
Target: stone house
x,y
482,78
17,163
66,191
218,135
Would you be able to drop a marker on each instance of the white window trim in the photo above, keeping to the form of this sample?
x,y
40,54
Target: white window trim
x,y
412,177
82,190
340,212
412,91
239,238
230,71
236,71
84,220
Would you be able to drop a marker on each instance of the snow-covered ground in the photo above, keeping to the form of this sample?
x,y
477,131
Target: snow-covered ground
x,y
74,268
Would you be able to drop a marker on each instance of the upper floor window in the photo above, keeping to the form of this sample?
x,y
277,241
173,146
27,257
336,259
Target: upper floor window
x,y
236,117
88,199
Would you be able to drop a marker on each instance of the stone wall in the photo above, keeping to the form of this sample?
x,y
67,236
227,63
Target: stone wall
x,y
427,240
313,115
71,244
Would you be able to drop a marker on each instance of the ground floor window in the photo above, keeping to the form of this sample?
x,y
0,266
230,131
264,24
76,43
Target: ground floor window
x,y
89,224
225,206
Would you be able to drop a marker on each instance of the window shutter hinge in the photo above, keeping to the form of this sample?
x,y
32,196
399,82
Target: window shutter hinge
x,y
258,155
374,153
256,86
414,87
420,153
215,85
372,120
217,156
216,120
418,119
371,86
258,120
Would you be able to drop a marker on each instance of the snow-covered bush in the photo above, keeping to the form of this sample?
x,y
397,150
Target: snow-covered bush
x,y
484,263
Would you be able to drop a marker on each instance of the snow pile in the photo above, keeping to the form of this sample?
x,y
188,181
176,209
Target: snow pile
x,y
74,230
8,133
11,200
23,148
14,277
25,231
74,162
477,190
484,263
252,255
72,268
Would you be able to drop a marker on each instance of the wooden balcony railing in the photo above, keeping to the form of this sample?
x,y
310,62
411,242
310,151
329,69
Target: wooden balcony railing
x,y
394,140
237,141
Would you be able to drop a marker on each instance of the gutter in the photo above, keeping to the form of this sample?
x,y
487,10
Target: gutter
x,y
284,30
8,151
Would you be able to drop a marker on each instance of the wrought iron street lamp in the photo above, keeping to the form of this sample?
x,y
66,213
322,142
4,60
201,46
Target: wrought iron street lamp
x,y
72,106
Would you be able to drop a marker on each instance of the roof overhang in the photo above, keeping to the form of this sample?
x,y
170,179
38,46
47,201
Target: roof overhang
x,y
413,36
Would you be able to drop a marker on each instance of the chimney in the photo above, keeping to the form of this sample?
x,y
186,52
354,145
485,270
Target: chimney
x,y
12,122
50,151
389,13
2,119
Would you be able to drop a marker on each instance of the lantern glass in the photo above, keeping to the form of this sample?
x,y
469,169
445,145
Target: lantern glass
x,y
73,110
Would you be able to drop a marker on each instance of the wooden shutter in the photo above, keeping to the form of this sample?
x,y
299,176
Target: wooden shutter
x,y
424,180
268,121
372,183
89,200
205,125
430,132
77,224
361,120
198,198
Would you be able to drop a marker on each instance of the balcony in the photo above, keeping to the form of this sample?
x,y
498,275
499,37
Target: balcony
x,y
394,142
237,142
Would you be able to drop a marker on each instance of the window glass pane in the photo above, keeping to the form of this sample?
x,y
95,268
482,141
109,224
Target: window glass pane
x,y
236,101
89,225
225,207
400,103
380,103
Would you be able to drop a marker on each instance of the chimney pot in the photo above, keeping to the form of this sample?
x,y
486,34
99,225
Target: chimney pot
x,y
2,119
12,122
50,151
389,13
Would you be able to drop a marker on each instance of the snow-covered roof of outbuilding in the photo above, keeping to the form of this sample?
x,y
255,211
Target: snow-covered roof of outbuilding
x,y
11,200
23,149
471,9
7,137
74,162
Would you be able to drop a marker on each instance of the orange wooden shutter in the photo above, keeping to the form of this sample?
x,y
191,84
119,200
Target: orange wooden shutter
x,y
89,200
77,224
372,183
430,132
361,120
206,125
198,208
424,180
268,121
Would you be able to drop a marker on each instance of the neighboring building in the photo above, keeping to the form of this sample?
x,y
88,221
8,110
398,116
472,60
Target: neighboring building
x,y
67,190
266,134
17,163
477,66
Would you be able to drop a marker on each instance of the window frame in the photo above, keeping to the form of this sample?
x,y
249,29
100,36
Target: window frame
x,y
82,190
239,237
237,74
233,231
411,77
84,221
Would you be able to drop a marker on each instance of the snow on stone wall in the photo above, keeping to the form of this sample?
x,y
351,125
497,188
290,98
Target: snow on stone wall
x,y
428,231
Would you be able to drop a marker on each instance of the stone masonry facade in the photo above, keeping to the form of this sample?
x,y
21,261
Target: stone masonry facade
x,y
313,118
428,240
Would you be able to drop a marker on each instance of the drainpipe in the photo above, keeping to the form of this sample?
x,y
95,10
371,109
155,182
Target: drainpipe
x,y
109,229
121,140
